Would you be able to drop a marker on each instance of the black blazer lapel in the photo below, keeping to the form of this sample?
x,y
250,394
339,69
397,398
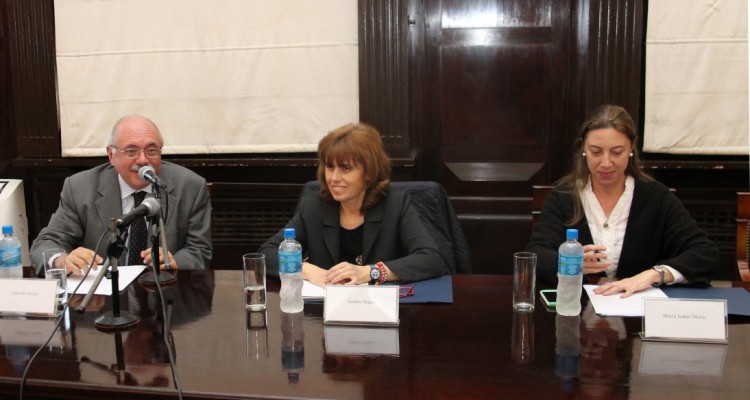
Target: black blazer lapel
x,y
373,223
331,230
631,243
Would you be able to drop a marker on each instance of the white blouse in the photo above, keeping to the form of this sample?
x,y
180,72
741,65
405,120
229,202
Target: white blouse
x,y
610,231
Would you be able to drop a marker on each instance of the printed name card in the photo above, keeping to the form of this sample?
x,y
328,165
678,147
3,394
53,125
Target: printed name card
x,y
685,320
361,305
34,297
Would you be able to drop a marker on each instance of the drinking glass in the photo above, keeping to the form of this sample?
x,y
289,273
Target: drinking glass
x,y
254,276
524,280
54,268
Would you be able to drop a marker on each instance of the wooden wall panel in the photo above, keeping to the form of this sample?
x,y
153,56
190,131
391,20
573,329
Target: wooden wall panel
x,y
383,71
498,77
482,96
496,81
31,59
614,55
245,215
6,150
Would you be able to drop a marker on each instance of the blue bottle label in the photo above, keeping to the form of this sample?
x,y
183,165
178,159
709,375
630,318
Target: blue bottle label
x,y
290,263
570,265
10,257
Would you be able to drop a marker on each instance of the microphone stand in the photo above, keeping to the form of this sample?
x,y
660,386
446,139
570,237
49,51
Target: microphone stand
x,y
157,236
112,320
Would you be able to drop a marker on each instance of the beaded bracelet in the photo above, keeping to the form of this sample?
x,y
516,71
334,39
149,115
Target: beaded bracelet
x,y
383,271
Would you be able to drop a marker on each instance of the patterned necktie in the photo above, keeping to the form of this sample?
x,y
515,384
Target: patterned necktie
x,y
137,234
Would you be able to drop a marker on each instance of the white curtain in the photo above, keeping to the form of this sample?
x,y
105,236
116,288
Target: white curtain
x,y
229,76
697,77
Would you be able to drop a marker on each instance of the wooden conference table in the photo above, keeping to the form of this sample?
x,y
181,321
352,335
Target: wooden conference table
x,y
476,347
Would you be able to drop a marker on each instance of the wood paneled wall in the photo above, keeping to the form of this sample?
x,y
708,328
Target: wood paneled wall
x,y
483,97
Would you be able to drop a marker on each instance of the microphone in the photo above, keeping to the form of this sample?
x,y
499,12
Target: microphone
x,y
148,208
147,173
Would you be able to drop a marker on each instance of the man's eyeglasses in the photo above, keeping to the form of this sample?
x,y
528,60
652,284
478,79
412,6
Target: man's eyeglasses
x,y
133,153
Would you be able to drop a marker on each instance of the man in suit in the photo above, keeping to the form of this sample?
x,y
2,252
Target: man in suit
x,y
90,198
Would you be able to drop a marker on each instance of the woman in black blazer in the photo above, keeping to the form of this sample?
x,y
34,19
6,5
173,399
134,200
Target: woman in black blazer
x,y
632,227
357,229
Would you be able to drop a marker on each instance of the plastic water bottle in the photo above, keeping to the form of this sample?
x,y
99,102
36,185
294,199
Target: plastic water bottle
x,y
570,275
290,272
10,254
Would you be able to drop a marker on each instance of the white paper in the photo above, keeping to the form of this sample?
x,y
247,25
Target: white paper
x,y
311,291
615,305
128,274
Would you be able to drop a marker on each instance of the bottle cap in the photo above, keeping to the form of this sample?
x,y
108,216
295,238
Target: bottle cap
x,y
572,234
7,229
289,233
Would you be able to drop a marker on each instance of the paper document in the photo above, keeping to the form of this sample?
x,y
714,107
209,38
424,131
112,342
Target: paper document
x,y
312,292
614,305
127,274
434,290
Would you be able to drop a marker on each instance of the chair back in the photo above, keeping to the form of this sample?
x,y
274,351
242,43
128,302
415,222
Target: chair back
x,y
539,194
437,215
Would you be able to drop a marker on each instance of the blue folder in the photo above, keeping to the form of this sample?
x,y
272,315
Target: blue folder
x,y
738,299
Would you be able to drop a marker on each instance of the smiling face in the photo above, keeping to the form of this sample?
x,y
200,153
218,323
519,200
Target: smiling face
x,y
134,133
607,156
347,183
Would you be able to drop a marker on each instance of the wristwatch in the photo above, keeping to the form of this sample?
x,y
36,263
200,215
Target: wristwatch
x,y
374,274
660,269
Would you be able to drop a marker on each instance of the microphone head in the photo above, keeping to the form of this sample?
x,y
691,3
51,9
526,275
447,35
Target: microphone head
x,y
153,206
144,170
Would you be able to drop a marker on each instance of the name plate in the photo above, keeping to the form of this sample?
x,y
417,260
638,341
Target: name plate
x,y
33,297
685,320
361,305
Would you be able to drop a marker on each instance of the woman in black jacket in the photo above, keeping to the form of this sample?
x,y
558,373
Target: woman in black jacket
x,y
358,229
632,227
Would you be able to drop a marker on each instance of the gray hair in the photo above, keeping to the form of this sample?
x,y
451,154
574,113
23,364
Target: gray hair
x,y
115,128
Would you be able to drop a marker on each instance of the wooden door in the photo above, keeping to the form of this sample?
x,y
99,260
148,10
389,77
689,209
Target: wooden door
x,y
494,117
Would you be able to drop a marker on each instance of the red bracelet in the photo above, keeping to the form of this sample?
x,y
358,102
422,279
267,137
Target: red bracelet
x,y
383,271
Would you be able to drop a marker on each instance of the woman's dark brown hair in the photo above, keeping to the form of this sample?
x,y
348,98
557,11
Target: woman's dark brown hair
x,y
359,144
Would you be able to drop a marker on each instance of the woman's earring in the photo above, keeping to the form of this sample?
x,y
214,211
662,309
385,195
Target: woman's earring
x,y
583,154
631,154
